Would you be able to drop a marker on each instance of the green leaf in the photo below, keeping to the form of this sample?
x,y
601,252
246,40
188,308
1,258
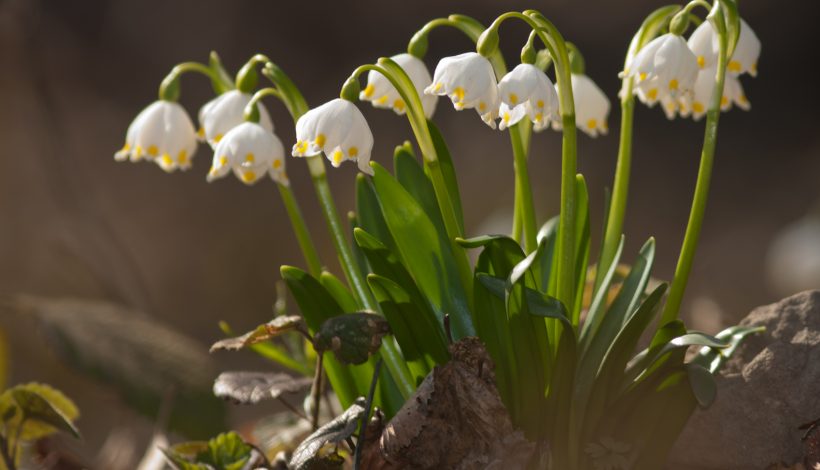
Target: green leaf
x,y
253,387
352,337
545,258
336,288
582,244
264,332
317,306
227,451
369,213
422,344
597,387
386,264
448,170
703,384
492,329
713,359
411,175
44,410
424,252
332,433
599,337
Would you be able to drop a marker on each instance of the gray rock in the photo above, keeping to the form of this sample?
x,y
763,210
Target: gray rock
x,y
769,388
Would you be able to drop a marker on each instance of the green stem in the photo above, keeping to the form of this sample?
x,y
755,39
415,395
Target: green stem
x,y
297,106
693,229
525,208
300,230
415,114
620,186
553,40
169,87
650,28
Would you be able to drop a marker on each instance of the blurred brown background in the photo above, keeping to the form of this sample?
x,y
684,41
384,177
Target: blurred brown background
x,y
73,223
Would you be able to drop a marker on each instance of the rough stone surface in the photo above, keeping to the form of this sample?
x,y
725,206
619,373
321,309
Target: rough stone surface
x,y
766,391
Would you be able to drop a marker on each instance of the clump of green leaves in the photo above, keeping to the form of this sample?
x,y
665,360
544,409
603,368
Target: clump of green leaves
x,y
30,412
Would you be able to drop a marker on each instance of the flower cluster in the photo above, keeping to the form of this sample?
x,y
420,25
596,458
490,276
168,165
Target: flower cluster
x,y
681,74
163,133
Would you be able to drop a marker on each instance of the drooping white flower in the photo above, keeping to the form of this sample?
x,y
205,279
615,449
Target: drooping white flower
x,y
251,151
383,94
664,68
223,113
704,44
591,106
162,132
527,91
697,104
338,129
469,80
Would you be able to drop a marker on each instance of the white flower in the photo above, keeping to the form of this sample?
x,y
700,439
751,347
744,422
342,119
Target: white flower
x,y
698,103
383,94
469,80
704,44
338,129
223,113
162,132
664,68
251,151
591,106
527,91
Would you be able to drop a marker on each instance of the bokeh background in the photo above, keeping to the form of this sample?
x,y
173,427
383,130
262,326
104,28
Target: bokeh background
x,y
186,254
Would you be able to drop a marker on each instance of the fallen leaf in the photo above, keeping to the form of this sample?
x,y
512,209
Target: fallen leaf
x,y
253,387
352,337
332,433
263,332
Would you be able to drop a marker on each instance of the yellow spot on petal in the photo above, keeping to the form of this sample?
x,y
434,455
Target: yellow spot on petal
x,y
368,90
320,141
482,106
399,104
217,138
642,76
652,94
459,93
337,157
223,160
353,151
437,87
125,147
539,117
724,101
743,99
513,98
382,100
153,151
592,124
248,177
754,68
540,103
734,66
250,157
673,84
301,146
138,151
201,133
506,117
167,160
698,107
182,157
701,61
277,164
